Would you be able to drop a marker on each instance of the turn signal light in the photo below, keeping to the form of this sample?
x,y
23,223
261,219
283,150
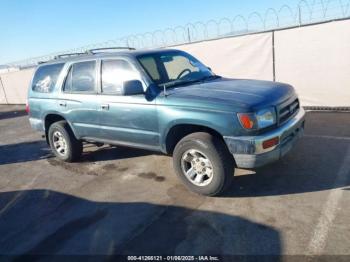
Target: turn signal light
x,y
271,142
246,121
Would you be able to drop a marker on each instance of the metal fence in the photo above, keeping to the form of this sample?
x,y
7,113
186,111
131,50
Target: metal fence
x,y
304,13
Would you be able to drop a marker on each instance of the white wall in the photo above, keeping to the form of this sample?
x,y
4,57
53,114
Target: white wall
x,y
314,59
238,57
16,85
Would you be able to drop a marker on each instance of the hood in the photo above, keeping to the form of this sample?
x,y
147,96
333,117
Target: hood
x,y
240,93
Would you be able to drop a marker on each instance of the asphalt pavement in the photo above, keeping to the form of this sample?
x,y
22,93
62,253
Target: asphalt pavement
x,y
119,200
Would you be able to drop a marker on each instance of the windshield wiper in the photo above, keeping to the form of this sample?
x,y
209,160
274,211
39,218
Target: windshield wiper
x,y
187,82
178,83
212,77
182,82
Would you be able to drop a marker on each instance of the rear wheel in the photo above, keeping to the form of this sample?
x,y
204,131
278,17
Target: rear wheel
x,y
63,142
203,163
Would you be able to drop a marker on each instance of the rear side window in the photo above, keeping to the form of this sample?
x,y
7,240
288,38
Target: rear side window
x,y
81,78
45,78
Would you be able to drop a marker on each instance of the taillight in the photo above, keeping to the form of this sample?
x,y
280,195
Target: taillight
x,y
27,108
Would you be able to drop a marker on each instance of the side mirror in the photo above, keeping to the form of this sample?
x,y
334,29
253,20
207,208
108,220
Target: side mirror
x,y
132,87
209,69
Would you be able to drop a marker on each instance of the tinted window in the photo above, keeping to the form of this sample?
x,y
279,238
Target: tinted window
x,y
45,78
114,73
177,66
150,64
174,67
81,77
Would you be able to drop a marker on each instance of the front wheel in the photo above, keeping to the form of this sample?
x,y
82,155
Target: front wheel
x,y
203,163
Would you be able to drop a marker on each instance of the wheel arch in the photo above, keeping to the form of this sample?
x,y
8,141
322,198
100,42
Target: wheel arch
x,y
54,117
178,131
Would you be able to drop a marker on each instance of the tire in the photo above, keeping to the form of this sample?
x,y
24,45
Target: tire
x,y
201,146
73,148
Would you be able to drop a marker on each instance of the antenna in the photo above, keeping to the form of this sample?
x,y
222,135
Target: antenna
x,y
164,92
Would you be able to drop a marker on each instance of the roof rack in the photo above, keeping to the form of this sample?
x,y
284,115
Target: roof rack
x,y
69,55
93,51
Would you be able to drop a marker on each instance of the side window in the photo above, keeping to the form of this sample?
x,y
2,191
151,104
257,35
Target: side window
x,y
81,78
45,78
114,73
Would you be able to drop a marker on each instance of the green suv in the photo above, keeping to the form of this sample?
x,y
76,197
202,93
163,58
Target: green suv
x,y
167,101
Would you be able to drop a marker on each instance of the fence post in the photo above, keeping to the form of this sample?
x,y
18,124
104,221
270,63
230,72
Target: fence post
x,y
3,89
188,35
273,57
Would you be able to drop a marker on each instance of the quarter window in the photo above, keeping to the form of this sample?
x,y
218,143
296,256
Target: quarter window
x,y
45,78
115,73
81,78
149,62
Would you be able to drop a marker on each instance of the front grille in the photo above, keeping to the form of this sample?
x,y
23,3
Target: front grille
x,y
288,111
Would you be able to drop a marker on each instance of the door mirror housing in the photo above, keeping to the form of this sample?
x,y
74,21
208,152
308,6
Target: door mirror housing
x,y
132,87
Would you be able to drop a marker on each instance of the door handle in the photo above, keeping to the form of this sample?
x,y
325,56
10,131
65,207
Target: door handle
x,y
105,107
63,103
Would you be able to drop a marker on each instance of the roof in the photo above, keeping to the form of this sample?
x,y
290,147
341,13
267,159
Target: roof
x,y
130,53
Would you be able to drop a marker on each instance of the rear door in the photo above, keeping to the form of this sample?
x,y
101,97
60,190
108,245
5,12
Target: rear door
x,y
78,98
130,120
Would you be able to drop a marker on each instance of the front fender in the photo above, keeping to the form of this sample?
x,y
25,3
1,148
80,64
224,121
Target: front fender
x,y
223,123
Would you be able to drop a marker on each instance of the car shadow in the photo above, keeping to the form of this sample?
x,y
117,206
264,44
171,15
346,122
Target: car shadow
x,y
24,152
47,222
37,150
12,114
106,153
311,166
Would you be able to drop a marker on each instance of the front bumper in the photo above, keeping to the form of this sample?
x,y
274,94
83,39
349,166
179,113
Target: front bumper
x,y
248,151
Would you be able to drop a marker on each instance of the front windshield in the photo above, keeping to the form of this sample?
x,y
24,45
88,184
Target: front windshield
x,y
174,68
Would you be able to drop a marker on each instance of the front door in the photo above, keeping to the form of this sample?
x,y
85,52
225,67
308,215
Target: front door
x,y
129,120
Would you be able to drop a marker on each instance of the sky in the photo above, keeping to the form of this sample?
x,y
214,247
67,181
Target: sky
x,y
38,27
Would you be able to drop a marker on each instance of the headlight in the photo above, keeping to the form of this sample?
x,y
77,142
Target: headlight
x,y
266,117
259,120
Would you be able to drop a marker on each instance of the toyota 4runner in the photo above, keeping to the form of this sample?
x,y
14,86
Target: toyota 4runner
x,y
167,101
